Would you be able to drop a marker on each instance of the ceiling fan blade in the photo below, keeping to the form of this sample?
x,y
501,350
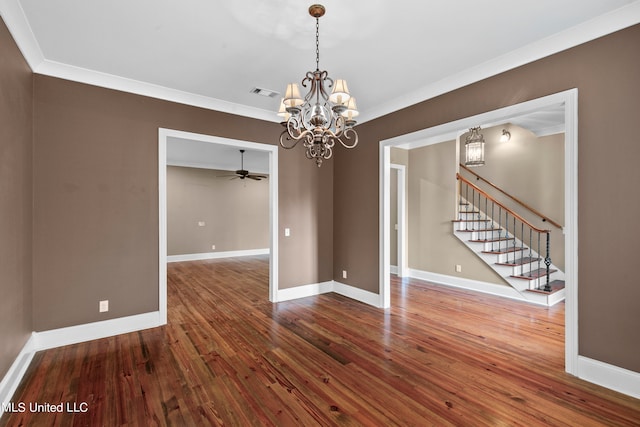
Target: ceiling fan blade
x,y
254,176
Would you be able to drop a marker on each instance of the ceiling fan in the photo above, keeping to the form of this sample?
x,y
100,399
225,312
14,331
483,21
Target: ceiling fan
x,y
242,173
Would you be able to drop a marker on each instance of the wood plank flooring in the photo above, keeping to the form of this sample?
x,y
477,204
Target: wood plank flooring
x,y
439,357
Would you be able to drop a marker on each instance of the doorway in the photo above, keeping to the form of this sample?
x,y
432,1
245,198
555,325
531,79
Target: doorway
x,y
398,218
166,135
454,130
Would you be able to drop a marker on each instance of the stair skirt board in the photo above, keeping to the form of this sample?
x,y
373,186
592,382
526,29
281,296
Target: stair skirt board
x,y
520,266
505,290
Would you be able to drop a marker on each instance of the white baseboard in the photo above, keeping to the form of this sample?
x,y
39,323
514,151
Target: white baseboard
x,y
348,291
304,291
14,375
473,285
71,335
609,376
215,255
393,269
96,330
357,294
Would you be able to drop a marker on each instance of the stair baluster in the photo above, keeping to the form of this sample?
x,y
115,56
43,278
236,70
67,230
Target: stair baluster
x,y
513,243
547,262
507,223
538,250
493,228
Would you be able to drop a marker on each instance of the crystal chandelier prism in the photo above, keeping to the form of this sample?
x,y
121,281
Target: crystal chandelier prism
x,y
320,119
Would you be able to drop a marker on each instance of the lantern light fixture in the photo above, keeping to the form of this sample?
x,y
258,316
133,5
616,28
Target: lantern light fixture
x,y
474,148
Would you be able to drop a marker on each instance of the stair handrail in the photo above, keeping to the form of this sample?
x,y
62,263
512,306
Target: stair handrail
x,y
515,199
485,194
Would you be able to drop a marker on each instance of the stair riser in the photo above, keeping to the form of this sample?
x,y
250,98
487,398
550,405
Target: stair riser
x,y
526,268
466,231
484,235
523,284
472,225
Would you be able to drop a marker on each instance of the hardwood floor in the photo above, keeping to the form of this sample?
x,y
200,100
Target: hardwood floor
x,y
439,357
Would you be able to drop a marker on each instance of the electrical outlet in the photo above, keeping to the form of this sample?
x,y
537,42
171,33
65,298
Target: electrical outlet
x,y
104,306
344,274
287,232
458,268
213,247
201,224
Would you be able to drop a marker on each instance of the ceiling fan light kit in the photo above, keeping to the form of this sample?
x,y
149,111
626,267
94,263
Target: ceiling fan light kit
x,y
320,119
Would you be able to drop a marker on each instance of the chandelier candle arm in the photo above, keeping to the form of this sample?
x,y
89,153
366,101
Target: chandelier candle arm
x,y
322,117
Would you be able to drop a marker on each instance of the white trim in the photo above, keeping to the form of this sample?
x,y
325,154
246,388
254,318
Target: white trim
x,y
600,26
401,268
304,291
616,20
314,289
274,248
216,255
357,294
110,81
505,291
14,375
163,135
96,330
385,230
16,21
570,231
452,130
71,335
162,225
609,376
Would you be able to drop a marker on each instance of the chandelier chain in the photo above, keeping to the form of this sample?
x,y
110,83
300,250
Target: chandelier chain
x,y
317,44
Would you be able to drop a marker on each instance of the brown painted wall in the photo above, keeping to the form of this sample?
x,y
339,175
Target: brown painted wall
x,y
605,71
16,118
235,212
96,200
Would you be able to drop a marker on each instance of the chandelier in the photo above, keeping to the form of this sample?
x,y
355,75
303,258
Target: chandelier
x,y
474,148
319,119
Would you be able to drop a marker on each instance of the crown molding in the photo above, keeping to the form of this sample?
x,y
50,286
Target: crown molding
x,y
109,81
15,19
608,23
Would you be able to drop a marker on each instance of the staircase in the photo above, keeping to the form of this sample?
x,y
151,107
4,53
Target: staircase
x,y
511,246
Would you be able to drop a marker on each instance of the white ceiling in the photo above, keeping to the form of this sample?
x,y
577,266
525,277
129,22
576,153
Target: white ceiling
x,y
205,155
211,53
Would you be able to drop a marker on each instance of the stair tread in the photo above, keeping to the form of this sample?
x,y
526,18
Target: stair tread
x,y
497,239
470,220
504,250
534,274
519,261
556,285
488,230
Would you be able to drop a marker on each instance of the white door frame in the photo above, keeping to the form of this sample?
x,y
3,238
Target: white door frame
x,y
402,219
453,130
163,135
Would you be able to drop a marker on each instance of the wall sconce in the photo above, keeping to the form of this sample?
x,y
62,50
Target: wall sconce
x,y
506,136
474,148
